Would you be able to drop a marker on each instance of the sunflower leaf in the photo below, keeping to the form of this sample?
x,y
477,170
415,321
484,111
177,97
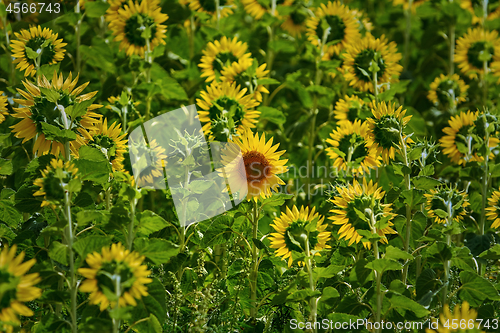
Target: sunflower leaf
x,y
79,109
51,95
30,53
55,134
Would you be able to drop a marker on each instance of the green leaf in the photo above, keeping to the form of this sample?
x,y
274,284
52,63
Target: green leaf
x,y
491,254
276,199
268,81
150,222
159,251
84,246
475,289
84,217
382,265
200,186
79,109
59,252
96,9
273,115
9,214
402,302
438,252
425,183
51,95
394,253
328,300
31,53
153,304
55,134
93,165
5,167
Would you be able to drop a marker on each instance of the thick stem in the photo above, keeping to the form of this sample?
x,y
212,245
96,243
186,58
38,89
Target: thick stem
x,y
116,322
255,262
451,68
130,231
313,301
378,277
69,238
375,85
404,152
447,263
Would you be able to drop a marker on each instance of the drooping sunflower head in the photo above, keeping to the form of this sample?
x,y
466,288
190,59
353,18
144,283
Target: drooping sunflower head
x,y
118,271
294,232
493,210
55,113
149,160
226,110
221,55
387,128
210,7
17,287
353,201
121,101
461,314
448,90
295,22
113,16
350,109
3,107
257,8
53,181
335,25
351,149
445,201
36,46
475,7
406,4
110,141
258,164
361,54
246,75
139,25
475,49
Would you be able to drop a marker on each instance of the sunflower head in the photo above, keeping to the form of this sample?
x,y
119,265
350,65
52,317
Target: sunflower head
x,y
258,8
17,287
359,207
351,149
246,73
351,108
493,209
448,91
295,22
36,47
444,202
210,7
461,314
387,128
3,107
54,181
115,274
296,231
148,162
110,141
475,50
475,7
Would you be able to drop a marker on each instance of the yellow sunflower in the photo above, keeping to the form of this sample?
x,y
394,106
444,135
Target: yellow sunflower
x,y
350,109
364,22
134,20
110,141
446,90
17,287
440,199
258,164
153,156
112,16
295,22
385,128
495,64
3,107
112,267
351,148
291,229
221,55
406,4
343,28
360,197
244,75
226,105
210,7
360,54
54,109
458,142
53,181
475,47
462,320
476,7
36,45
493,211
257,8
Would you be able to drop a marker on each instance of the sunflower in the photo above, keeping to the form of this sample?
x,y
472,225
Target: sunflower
x,y
365,25
461,314
360,55
51,110
291,230
342,26
458,142
210,7
17,287
220,55
112,16
54,180
406,4
243,73
257,8
115,265
440,199
257,164
350,109
3,107
355,198
493,211
476,6
110,141
129,29
294,23
351,148
226,102
495,64
148,161
477,46
446,90
386,128
35,45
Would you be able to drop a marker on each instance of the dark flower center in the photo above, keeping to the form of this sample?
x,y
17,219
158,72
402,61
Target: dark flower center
x,y
225,107
45,111
211,5
363,60
337,29
48,52
386,131
447,91
115,268
476,50
224,59
355,141
257,166
133,29
297,231
298,17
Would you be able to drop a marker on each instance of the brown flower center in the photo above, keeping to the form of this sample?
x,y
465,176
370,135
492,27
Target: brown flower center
x,y
257,166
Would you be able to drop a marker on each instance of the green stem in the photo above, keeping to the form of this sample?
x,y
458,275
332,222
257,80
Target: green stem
x,y
407,183
447,263
116,322
451,69
378,277
406,55
484,83
78,37
130,230
314,301
255,262
375,85
69,238
484,189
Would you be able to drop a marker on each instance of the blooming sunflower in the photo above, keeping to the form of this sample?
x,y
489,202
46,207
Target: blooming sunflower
x,y
34,44
17,287
3,107
494,209
243,73
257,8
360,55
53,181
220,55
258,164
129,28
342,26
110,141
461,314
112,16
459,139
52,109
294,23
115,265
350,109
385,128
475,47
210,7
440,199
291,228
227,102
149,159
446,90
406,4
476,7
351,147
360,197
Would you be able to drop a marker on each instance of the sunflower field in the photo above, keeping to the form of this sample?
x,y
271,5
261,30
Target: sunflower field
x,y
357,187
